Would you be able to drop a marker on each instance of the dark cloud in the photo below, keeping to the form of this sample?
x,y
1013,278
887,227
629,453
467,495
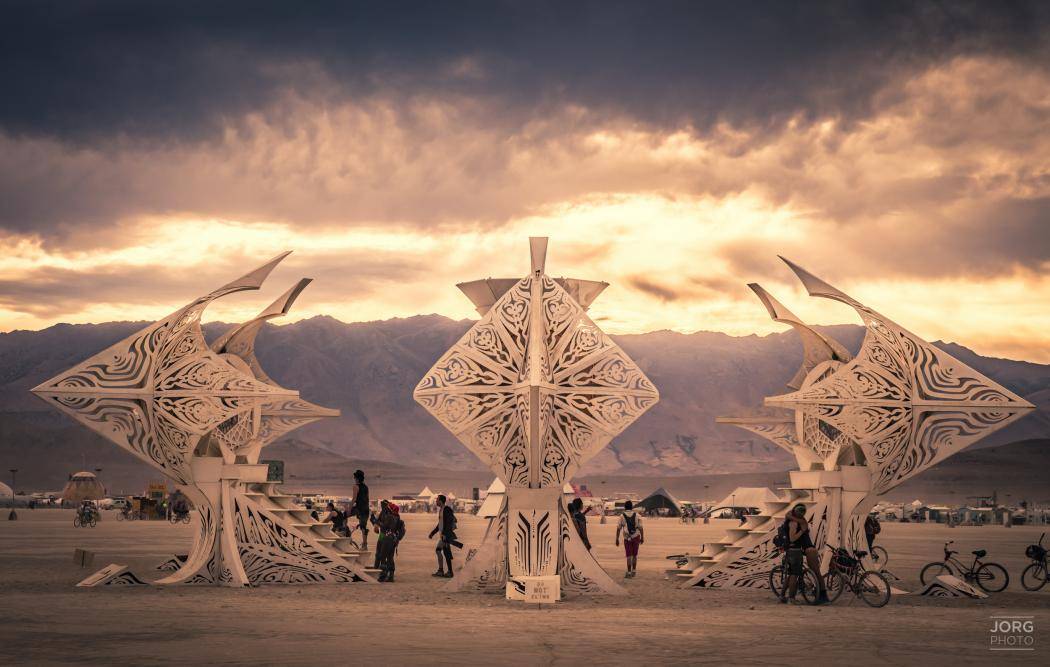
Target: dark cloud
x,y
86,72
51,292
652,288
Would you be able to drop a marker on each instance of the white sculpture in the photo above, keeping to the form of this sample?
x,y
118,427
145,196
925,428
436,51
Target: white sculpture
x,y
200,415
860,426
534,389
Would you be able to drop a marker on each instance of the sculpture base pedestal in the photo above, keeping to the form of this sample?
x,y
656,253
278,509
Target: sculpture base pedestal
x,y
488,568
248,534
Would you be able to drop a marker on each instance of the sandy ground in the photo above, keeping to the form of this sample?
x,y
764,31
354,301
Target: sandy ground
x,y
45,620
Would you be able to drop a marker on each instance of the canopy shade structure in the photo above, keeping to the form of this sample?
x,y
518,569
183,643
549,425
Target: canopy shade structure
x,y
748,496
661,499
83,486
6,491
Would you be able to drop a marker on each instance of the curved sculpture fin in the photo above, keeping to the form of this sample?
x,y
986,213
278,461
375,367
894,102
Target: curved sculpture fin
x,y
240,339
816,347
906,402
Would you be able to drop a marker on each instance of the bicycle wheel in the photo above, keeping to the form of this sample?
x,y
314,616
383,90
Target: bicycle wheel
x,y
835,583
874,589
992,577
186,518
76,522
933,570
92,521
880,557
807,586
776,581
1034,577
120,516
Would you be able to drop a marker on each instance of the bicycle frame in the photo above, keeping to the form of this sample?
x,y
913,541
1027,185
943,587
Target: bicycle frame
x,y
952,562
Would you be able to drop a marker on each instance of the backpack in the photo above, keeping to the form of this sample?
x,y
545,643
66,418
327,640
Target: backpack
x,y
631,521
781,539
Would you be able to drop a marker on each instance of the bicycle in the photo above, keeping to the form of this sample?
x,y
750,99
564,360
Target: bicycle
x,y
84,520
845,572
807,583
179,517
879,556
991,577
1034,576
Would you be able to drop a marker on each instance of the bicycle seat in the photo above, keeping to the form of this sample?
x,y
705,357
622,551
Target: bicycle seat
x,y
980,553
861,554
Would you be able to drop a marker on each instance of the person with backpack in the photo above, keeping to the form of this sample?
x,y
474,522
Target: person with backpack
x,y
446,532
633,535
391,532
359,508
872,527
384,509
580,520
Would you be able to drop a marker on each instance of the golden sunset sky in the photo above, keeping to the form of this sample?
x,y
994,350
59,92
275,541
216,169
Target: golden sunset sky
x,y
669,149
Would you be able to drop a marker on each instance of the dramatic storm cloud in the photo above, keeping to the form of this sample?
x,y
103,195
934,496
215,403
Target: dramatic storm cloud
x,y
900,150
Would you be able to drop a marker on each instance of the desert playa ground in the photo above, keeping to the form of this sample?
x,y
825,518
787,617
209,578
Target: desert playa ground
x,y
44,619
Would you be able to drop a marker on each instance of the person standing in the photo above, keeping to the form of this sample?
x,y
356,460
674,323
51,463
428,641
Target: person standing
x,y
391,532
800,545
384,509
446,532
633,536
871,529
359,507
580,519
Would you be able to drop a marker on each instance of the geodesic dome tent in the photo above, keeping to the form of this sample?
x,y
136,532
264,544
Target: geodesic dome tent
x,y
83,486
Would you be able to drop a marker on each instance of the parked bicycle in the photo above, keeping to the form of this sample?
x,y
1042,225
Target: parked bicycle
x,y
1034,576
807,583
990,577
845,572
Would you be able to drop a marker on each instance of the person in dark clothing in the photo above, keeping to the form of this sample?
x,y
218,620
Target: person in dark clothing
x,y
391,532
384,509
799,545
580,519
335,517
359,507
871,529
446,532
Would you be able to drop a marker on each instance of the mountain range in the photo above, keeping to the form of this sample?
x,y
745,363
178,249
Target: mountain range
x,y
368,371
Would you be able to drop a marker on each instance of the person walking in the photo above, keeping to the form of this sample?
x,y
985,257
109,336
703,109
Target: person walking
x,y
630,527
872,527
391,532
446,532
580,519
359,507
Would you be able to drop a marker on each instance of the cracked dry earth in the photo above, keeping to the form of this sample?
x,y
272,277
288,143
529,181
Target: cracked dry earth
x,y
44,619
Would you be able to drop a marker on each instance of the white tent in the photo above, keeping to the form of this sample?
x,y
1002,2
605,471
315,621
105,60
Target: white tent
x,y
426,495
498,490
493,499
5,491
749,496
